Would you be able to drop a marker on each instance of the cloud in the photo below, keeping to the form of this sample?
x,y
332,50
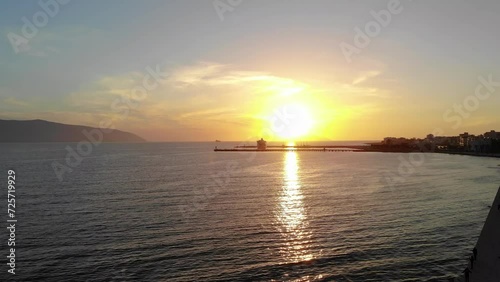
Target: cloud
x,y
207,113
200,73
194,96
27,48
100,94
365,76
207,99
14,102
214,74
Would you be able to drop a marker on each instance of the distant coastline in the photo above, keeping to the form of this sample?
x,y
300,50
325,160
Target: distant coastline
x,y
484,145
42,131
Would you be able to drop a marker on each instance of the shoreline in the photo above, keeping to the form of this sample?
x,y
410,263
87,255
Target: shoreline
x,y
486,266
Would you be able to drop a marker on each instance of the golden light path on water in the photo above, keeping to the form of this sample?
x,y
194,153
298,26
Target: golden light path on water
x,y
293,223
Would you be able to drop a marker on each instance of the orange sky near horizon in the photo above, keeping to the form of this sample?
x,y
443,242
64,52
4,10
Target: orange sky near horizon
x,y
273,70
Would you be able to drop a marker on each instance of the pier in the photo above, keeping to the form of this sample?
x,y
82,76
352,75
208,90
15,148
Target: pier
x,y
344,147
288,149
263,147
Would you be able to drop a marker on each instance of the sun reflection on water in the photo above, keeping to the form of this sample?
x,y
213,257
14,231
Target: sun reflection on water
x,y
291,214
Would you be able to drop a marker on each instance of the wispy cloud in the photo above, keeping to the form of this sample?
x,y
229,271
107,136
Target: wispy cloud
x,y
214,74
365,76
211,99
14,102
207,113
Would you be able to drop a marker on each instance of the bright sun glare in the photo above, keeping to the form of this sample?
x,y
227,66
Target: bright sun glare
x,y
292,121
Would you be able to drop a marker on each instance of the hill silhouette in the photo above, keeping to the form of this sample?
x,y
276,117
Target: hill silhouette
x,y
35,131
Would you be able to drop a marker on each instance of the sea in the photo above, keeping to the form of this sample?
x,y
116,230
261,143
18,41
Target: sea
x,y
182,212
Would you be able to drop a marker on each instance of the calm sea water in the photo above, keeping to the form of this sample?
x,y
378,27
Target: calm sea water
x,y
181,212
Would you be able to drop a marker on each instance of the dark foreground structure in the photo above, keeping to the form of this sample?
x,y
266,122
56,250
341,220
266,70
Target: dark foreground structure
x,y
487,264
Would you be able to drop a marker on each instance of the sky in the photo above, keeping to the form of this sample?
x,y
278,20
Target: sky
x,y
196,70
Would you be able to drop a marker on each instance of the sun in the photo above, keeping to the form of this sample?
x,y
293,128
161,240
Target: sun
x,y
291,121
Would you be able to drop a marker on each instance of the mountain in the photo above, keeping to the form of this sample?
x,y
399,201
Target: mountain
x,y
46,131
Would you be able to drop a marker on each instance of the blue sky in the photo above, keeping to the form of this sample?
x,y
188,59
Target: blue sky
x,y
427,59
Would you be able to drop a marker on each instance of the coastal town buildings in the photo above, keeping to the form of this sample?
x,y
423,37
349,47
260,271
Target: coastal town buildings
x,y
488,142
